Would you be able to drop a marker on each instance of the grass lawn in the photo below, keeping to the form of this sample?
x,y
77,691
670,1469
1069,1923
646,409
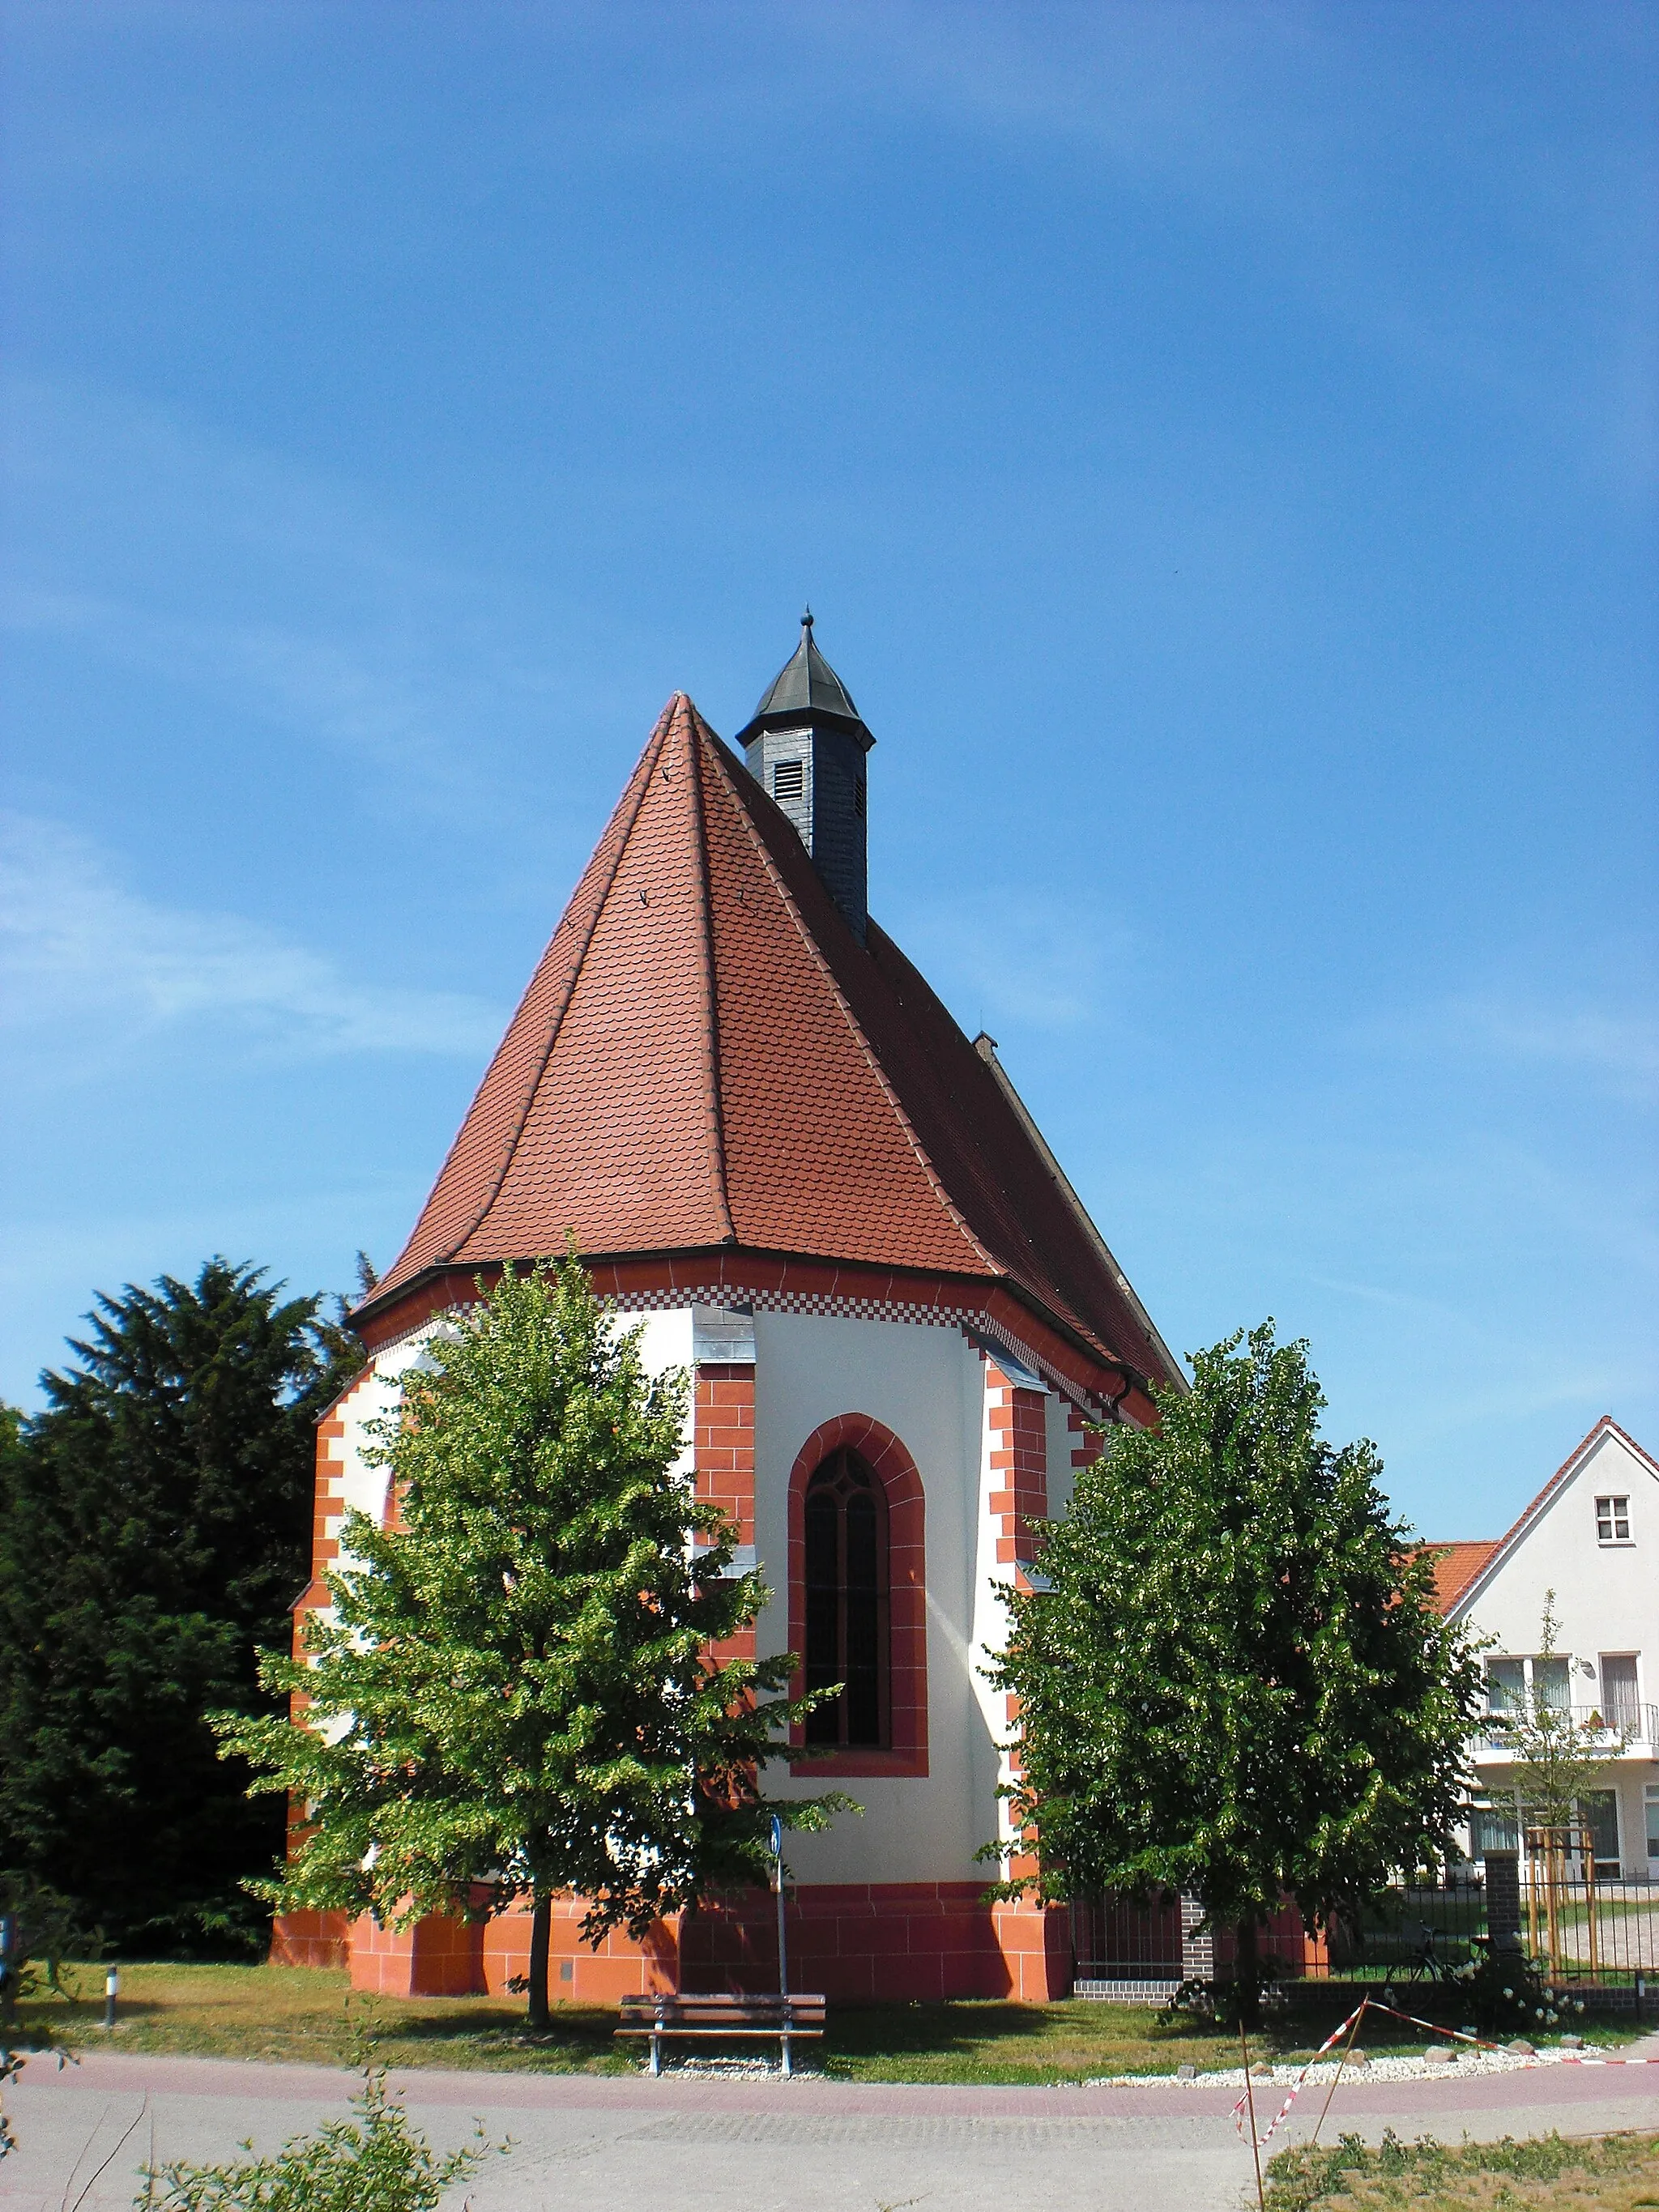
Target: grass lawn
x,y
305,2014
1615,2173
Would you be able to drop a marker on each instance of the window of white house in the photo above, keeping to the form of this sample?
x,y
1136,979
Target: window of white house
x,y
1618,1705
1506,1685
1613,1520
1651,1793
1494,1826
1599,1811
1511,1682
1552,1683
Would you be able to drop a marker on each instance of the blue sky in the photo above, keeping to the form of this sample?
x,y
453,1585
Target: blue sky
x,y
1219,444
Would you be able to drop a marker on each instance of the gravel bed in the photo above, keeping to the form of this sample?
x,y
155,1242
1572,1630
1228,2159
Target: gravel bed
x,y
1415,2068
732,2070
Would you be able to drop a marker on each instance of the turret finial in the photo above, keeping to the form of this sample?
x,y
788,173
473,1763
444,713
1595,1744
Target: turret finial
x,y
806,622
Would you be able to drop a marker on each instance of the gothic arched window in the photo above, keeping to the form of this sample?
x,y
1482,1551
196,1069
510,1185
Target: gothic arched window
x,y
847,1635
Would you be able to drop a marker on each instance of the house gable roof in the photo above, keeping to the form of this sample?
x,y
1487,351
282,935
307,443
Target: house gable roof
x,y
706,1057
1477,1574
1456,1566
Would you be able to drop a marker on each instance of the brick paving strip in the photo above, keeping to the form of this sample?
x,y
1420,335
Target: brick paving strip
x,y
116,2073
641,2146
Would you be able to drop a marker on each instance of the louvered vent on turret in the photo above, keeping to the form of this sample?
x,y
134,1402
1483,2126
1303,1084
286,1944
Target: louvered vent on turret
x,y
806,745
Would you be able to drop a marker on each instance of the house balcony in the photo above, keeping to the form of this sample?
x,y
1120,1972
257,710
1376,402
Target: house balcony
x,y
1630,1732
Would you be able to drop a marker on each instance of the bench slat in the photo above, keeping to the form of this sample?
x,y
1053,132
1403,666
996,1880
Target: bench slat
x,y
723,1996
716,2008
767,2020
719,2024
722,2011
725,2034
722,2027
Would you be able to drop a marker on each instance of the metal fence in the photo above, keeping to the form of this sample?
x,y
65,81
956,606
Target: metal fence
x,y
1602,1933
1115,1940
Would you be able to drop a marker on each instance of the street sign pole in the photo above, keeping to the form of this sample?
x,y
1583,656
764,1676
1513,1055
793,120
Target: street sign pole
x,y
783,1953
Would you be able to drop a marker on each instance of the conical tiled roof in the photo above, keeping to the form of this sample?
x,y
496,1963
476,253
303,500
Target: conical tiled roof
x,y
706,1058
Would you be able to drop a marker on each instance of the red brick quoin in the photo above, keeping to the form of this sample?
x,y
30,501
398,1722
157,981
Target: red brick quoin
x,y
725,1459
893,1467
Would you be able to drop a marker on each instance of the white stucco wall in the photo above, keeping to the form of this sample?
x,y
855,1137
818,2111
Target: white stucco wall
x,y
1063,1477
1606,1602
926,1384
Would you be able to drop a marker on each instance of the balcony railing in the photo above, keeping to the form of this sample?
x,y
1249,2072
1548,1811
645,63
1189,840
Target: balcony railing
x,y
1597,1726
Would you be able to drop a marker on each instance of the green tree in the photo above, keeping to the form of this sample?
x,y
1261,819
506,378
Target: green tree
x,y
1232,1678
154,1528
522,1685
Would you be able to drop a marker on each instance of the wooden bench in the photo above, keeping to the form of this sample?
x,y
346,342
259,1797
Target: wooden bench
x,y
785,2020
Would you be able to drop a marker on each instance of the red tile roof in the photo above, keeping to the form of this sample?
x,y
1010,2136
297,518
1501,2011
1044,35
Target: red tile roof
x,y
1456,1566
706,1057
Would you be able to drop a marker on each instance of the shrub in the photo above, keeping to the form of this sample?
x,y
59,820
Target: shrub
x,y
376,2162
41,1932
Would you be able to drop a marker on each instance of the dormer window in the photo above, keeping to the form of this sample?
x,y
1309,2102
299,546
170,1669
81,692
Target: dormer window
x,y
1613,1520
789,782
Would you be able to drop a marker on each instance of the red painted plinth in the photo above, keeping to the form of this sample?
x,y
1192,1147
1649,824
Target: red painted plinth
x,y
310,1939
436,1958
875,1942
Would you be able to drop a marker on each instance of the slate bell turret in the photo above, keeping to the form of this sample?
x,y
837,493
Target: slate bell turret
x,y
806,745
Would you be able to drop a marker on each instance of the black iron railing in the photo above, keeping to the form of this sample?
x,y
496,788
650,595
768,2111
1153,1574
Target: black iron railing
x,y
1604,1933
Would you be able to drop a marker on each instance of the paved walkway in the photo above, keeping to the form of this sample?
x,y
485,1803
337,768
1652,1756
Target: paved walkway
x,y
688,2145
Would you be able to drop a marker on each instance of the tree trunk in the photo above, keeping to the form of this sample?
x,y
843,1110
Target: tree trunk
x,y
1247,1973
541,1940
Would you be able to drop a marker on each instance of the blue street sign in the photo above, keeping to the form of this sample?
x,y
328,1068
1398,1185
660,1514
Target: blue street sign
x,y
777,1837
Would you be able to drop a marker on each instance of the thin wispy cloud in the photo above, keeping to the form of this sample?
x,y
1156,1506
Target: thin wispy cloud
x,y
163,549
1616,1047
357,692
1297,122
89,963
1005,957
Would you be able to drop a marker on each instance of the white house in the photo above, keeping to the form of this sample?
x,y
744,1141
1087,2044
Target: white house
x,y
1591,1535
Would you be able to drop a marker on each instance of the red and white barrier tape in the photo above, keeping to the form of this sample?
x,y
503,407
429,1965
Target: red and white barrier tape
x,y
1330,2042
1566,2057
1446,2034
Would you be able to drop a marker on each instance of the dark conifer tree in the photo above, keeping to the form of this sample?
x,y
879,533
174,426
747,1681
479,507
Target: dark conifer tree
x,y
155,1529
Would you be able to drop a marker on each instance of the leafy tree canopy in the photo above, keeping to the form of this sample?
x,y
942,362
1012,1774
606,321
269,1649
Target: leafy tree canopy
x,y
154,1528
1235,1681
529,1681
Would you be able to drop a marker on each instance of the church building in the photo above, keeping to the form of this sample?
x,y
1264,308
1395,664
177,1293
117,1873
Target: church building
x,y
779,1152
